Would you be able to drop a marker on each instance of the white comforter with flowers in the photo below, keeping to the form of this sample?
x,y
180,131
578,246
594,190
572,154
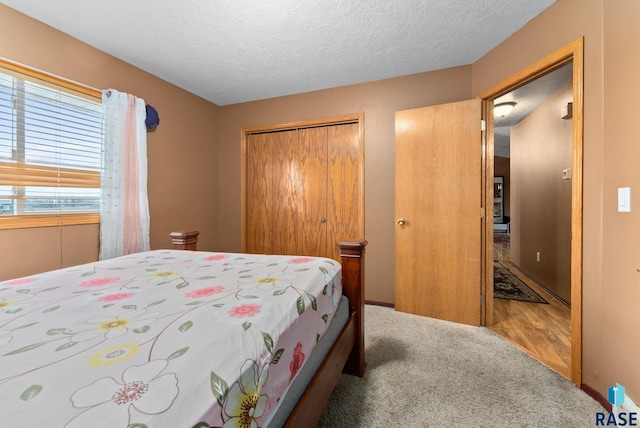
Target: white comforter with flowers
x,y
163,338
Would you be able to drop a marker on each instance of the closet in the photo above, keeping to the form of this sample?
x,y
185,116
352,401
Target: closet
x,y
303,187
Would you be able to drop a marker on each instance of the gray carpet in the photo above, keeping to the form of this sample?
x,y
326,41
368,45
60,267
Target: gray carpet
x,y
428,373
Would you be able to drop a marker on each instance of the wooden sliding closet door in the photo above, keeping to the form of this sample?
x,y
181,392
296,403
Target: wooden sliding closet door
x,y
305,195
303,190
286,190
345,189
260,191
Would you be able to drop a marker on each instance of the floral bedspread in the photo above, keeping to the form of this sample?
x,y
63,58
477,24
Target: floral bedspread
x,y
162,338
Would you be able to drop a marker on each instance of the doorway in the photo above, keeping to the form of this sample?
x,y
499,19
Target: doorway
x,y
532,147
569,54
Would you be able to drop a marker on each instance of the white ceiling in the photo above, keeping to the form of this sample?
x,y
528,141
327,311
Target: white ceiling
x,y
527,99
232,51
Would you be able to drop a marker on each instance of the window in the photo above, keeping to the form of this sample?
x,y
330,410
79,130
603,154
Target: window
x,y
50,150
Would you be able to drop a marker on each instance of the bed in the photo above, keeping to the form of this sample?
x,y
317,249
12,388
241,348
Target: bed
x,y
176,337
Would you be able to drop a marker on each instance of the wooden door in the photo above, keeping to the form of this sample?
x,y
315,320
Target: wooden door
x,y
306,190
303,189
345,206
438,211
286,191
260,192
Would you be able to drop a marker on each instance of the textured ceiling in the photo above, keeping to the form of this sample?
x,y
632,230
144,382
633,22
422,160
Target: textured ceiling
x,y
527,99
231,51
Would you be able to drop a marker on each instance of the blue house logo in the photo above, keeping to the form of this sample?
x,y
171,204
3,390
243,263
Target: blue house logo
x,y
616,397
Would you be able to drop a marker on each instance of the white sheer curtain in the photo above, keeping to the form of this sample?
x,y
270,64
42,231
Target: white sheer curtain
x,y
124,210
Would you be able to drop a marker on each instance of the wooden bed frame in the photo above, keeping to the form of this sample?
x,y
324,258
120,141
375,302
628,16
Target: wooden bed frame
x,y
346,354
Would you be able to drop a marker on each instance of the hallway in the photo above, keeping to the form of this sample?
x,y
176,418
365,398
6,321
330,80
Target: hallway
x,y
542,331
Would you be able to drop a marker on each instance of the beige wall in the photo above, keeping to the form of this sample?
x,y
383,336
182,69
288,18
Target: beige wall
x,y
379,101
24,252
182,151
541,198
618,342
611,282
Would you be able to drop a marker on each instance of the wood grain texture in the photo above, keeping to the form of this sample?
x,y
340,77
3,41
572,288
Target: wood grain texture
x,y
286,192
438,193
345,186
542,331
488,172
577,56
308,189
303,189
352,260
259,189
185,240
298,193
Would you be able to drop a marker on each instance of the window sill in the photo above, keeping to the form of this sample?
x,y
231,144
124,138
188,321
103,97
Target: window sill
x,y
47,220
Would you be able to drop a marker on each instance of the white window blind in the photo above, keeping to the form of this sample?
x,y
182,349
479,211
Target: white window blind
x,y
50,147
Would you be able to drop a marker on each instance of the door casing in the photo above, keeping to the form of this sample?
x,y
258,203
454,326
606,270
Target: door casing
x,y
573,52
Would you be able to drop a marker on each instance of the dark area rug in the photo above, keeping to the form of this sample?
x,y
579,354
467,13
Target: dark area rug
x,y
507,286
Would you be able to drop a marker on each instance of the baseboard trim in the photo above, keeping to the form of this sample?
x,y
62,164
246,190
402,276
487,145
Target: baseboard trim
x,y
591,392
541,285
374,303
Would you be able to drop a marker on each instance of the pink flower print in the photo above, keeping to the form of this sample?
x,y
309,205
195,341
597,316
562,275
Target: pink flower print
x,y
246,310
296,361
300,260
216,257
115,297
20,281
99,282
205,292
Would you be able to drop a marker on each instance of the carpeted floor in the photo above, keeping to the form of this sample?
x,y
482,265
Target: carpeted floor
x,y
507,286
429,373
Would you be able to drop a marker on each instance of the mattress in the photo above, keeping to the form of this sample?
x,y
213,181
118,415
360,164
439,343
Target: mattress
x,y
163,338
298,386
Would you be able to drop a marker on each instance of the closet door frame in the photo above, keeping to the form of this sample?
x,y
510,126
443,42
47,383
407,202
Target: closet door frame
x,y
301,124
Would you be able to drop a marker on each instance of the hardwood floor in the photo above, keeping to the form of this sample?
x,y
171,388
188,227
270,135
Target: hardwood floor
x,y
542,331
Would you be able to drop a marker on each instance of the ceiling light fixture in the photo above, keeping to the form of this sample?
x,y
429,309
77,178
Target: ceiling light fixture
x,y
503,109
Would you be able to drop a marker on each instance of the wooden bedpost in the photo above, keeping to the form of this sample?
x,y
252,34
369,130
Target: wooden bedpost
x,y
352,259
185,240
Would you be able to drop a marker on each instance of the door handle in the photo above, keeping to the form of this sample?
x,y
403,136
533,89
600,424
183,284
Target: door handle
x,y
401,221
